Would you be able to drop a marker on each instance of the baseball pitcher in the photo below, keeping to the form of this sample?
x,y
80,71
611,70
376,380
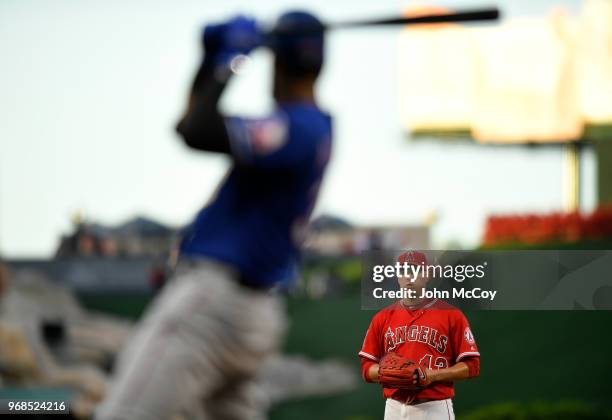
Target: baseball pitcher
x,y
416,349
207,333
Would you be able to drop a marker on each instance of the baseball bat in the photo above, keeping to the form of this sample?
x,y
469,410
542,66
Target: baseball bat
x,y
477,15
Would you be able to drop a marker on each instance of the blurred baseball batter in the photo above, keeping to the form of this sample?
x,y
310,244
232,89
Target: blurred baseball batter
x,y
416,349
208,332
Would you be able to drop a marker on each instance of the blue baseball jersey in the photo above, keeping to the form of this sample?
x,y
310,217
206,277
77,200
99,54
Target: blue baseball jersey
x,y
257,219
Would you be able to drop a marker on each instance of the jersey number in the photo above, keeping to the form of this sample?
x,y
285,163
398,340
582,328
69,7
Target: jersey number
x,y
440,363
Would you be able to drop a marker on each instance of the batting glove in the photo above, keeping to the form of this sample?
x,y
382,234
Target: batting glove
x,y
238,36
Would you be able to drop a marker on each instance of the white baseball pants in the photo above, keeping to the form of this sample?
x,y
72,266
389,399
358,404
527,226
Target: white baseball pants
x,y
197,350
431,410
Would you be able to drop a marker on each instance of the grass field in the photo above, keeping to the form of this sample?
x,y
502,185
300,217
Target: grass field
x,y
527,356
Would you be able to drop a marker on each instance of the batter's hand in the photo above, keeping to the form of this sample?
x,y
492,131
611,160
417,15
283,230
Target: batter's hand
x,y
224,41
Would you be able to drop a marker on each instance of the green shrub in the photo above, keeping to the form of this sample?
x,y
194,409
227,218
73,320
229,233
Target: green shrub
x,y
566,410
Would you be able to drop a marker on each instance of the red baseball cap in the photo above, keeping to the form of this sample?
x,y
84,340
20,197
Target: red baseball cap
x,y
412,258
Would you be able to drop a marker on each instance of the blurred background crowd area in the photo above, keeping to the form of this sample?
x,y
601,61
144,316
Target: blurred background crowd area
x,y
64,320
501,139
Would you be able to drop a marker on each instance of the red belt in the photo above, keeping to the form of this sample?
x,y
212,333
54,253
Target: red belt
x,y
414,401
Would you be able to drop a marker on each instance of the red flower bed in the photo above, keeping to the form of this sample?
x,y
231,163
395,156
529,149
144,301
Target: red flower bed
x,y
546,228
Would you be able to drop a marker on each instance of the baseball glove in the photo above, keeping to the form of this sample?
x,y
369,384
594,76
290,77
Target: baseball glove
x,y
396,371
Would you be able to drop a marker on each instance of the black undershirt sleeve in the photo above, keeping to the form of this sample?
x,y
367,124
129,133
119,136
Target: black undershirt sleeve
x,y
203,127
